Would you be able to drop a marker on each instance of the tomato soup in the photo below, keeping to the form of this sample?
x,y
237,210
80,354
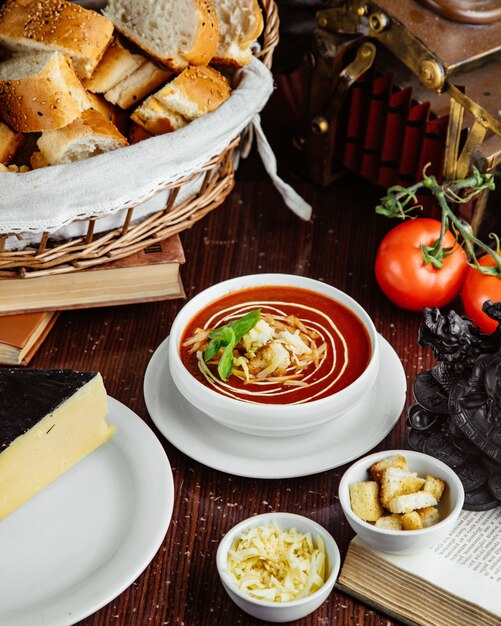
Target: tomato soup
x,y
339,346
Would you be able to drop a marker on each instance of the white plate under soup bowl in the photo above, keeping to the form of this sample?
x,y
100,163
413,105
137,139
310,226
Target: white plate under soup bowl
x,y
269,419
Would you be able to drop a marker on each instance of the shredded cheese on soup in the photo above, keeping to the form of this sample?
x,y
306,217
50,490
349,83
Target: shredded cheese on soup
x,y
277,565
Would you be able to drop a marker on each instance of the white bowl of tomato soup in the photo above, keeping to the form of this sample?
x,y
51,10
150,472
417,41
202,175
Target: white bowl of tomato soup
x,y
311,356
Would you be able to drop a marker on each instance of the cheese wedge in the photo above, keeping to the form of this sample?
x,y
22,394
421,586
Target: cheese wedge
x,y
49,420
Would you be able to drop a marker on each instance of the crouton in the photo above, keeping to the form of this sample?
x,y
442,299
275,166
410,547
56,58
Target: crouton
x,y
376,469
389,522
272,358
396,482
364,498
429,516
435,486
411,501
411,521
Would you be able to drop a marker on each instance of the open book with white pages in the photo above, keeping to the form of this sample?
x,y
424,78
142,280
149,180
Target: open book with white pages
x,y
456,583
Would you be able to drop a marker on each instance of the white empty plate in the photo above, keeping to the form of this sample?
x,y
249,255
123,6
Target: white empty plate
x,y
338,442
86,537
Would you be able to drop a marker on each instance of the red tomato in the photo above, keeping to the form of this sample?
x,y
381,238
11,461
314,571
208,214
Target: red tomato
x,y
402,273
478,288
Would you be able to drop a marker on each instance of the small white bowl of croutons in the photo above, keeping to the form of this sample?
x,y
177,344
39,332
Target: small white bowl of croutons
x,y
401,501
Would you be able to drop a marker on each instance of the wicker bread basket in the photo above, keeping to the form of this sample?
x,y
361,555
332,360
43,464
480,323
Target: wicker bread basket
x,y
50,256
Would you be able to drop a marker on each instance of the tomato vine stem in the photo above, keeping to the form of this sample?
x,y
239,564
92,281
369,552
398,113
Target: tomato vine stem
x,y
397,199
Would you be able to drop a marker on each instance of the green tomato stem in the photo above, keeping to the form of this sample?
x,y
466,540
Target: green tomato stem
x,y
392,205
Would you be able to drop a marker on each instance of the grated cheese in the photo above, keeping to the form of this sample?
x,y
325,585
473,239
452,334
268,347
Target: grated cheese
x,y
293,342
277,566
258,336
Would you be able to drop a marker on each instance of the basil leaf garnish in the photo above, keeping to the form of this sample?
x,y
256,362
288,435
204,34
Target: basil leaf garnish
x,y
244,324
225,364
212,349
227,337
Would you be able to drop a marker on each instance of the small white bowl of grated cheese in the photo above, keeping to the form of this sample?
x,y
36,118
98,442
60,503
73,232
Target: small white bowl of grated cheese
x,y
278,567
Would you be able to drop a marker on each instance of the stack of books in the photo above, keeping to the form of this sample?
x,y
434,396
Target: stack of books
x,y
29,306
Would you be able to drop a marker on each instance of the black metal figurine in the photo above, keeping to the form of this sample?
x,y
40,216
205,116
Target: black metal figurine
x,y
457,415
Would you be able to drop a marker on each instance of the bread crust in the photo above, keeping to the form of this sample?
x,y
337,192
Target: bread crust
x,y
208,35
155,119
37,160
9,143
44,100
56,25
137,85
137,133
117,63
55,143
200,89
201,52
205,87
117,116
258,28
239,53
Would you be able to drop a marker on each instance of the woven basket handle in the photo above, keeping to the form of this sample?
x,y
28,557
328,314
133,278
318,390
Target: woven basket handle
x,y
270,34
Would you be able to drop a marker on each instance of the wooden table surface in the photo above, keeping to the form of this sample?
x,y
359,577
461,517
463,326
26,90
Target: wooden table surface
x,y
252,232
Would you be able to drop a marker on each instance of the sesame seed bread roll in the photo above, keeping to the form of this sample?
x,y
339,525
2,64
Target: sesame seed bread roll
x,y
37,160
156,119
117,63
192,94
175,32
117,116
49,25
40,92
9,143
240,24
137,133
195,92
87,136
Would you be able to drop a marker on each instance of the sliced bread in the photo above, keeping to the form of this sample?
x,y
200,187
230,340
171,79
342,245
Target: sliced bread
x,y
40,92
192,94
240,24
156,119
9,143
37,160
32,25
175,32
133,88
138,133
117,117
87,136
117,63
195,92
